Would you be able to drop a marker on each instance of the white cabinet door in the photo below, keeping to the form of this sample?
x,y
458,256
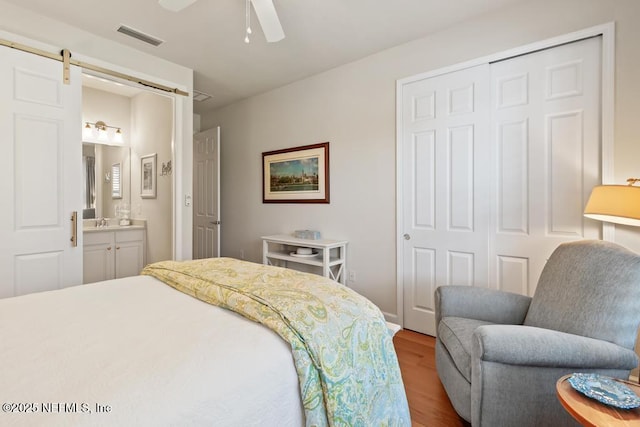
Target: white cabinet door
x,y
98,263
129,259
129,252
40,170
113,254
445,166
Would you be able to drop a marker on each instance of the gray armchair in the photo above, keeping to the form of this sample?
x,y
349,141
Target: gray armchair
x,y
500,354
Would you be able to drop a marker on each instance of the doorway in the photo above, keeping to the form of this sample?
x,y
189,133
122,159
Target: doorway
x,y
145,120
206,191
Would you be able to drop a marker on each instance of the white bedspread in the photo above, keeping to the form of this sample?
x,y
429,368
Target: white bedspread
x,y
155,356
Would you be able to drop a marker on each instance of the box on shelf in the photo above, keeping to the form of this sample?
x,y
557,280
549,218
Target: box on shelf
x,y
307,234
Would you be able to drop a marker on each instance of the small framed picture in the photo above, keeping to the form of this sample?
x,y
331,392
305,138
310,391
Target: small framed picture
x,y
296,175
148,176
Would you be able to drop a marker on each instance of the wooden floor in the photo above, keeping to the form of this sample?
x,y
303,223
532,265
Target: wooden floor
x,y
428,402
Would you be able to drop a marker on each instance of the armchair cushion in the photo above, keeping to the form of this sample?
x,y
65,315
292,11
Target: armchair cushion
x,y
544,348
589,288
489,305
455,334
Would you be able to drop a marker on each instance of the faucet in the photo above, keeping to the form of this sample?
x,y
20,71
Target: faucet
x,y
102,222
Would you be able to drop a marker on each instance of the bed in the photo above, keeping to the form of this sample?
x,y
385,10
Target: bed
x,y
137,351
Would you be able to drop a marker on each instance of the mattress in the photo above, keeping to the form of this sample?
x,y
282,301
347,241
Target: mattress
x,y
135,351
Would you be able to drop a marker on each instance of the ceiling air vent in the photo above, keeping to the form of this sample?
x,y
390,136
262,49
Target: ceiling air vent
x,y
200,96
131,32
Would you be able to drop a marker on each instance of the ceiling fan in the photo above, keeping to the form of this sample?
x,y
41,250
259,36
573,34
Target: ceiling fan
x,y
265,11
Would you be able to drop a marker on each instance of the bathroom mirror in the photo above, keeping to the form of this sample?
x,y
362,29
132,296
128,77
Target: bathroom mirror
x,y
106,179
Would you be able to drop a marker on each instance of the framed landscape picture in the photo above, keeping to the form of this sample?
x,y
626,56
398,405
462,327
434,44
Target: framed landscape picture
x,y
296,175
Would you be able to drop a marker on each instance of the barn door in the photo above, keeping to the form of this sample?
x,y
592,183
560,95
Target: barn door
x,y
40,170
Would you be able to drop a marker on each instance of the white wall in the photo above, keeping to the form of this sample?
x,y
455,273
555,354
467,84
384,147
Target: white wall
x,y
23,26
196,123
152,124
353,107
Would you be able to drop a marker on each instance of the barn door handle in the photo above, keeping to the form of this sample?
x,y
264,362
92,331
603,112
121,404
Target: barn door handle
x,y
74,229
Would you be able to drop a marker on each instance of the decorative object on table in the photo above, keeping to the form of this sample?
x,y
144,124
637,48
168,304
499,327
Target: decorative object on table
x,y
123,213
307,234
296,175
605,390
148,174
304,252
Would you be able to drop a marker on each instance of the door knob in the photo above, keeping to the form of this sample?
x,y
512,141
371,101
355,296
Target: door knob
x,y
407,237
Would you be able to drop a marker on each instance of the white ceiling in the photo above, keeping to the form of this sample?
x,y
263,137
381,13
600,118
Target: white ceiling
x,y
208,35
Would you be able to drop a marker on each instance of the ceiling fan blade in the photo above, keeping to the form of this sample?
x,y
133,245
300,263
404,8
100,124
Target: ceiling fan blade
x,y
175,5
268,17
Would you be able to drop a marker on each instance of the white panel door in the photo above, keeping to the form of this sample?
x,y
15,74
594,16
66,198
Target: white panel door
x,y
545,112
206,189
445,164
40,170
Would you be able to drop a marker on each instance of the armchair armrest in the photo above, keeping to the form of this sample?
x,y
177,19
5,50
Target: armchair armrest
x,y
489,305
531,346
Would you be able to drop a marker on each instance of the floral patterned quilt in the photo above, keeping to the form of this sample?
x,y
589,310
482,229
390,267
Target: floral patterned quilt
x,y
342,350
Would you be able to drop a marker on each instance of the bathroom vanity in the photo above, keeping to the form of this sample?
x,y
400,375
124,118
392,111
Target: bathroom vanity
x,y
113,251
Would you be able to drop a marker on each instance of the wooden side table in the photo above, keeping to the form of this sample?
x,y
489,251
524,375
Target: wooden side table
x,y
590,412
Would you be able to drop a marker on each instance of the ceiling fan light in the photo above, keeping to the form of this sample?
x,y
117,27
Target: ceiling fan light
x,y
269,21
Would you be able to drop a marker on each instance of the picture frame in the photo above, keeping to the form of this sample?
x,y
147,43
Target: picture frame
x,y
148,176
296,175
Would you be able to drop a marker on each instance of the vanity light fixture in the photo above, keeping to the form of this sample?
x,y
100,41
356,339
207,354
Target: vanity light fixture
x,y
117,137
100,130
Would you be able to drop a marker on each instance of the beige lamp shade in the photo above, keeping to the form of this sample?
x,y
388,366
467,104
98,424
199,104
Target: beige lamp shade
x,y
614,203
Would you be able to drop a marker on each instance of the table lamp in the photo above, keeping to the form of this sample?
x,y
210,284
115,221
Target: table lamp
x,y
619,204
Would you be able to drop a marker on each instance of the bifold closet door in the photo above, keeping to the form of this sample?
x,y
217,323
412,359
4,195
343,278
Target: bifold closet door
x,y
40,170
445,145
546,142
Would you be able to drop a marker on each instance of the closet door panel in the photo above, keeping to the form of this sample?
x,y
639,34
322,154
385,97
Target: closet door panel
x,y
445,188
547,155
